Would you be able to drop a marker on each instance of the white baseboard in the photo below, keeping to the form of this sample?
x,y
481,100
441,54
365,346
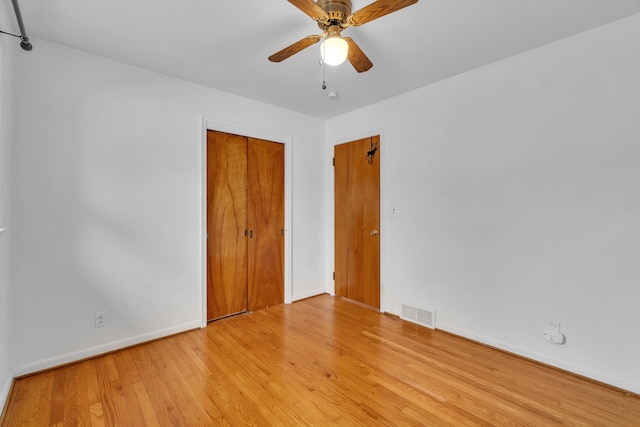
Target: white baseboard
x,y
4,392
309,294
102,349
561,364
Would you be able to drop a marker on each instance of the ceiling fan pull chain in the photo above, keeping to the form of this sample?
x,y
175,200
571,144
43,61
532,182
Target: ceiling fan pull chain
x,y
324,76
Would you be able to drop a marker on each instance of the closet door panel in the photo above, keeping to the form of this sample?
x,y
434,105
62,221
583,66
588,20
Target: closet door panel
x,y
227,251
266,223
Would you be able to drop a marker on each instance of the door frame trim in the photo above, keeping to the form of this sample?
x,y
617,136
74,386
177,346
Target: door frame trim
x,y
222,125
330,203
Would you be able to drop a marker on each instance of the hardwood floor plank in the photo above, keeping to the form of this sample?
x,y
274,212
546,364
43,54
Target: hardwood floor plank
x,y
29,398
70,407
466,387
299,365
236,403
97,414
154,384
41,392
321,361
261,358
198,407
127,375
113,399
81,393
150,417
57,397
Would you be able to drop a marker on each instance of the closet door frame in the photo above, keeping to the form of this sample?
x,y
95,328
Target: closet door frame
x,y
221,125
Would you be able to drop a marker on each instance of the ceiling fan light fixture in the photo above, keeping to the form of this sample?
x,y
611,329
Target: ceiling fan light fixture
x,y
334,48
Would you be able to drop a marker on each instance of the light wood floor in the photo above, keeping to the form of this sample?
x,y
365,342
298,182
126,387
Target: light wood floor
x,y
322,361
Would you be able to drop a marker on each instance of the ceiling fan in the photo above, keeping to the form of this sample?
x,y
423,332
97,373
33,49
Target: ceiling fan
x,y
332,17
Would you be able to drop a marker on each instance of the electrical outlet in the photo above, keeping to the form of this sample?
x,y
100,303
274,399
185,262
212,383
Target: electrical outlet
x,y
100,320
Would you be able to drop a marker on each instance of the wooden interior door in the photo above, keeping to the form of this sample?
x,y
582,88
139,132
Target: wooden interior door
x,y
357,220
266,223
227,266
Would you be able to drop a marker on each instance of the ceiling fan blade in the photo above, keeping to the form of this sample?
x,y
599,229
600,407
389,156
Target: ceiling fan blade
x,y
357,57
294,48
376,10
311,8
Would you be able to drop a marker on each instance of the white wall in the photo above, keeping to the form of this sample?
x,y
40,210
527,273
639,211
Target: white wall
x,y
106,201
6,374
518,192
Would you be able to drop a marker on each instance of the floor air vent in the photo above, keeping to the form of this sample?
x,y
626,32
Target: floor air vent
x,y
422,316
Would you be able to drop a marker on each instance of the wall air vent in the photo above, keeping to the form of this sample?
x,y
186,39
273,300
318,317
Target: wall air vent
x,y
419,315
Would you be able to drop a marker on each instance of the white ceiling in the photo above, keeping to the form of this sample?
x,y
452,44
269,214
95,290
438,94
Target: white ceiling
x,y
225,44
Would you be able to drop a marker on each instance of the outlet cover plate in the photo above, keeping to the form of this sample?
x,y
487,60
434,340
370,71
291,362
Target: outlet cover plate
x,y
100,320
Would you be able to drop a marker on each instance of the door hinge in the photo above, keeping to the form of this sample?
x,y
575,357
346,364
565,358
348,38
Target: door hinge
x,y
334,275
334,161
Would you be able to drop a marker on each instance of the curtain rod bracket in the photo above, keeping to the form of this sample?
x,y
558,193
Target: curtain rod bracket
x,y
25,43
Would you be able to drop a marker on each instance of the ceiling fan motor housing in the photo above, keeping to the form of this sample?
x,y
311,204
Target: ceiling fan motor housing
x,y
338,11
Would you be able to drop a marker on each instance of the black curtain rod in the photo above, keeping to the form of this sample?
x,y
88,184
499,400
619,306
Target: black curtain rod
x,y
24,39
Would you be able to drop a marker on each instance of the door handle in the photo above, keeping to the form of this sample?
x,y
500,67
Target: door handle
x,y
374,232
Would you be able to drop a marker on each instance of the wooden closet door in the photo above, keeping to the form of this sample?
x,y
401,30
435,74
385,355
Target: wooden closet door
x,y
357,221
227,268
266,223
